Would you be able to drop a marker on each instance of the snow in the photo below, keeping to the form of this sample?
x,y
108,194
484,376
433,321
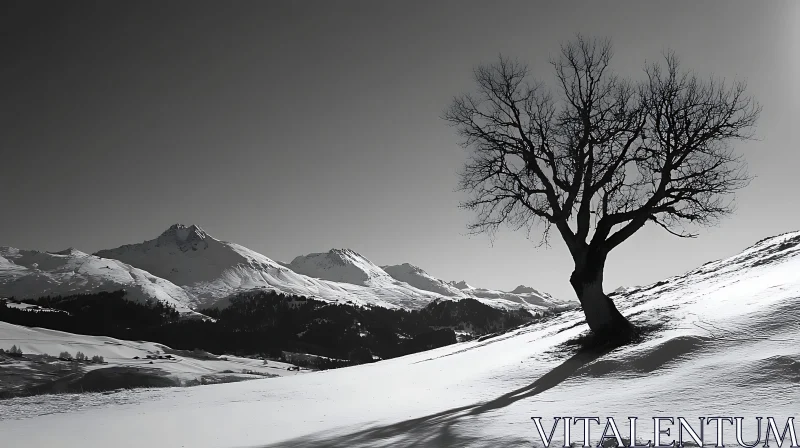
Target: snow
x,y
28,274
29,307
727,343
418,278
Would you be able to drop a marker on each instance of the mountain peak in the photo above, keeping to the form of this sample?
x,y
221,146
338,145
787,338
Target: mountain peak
x,y
337,257
413,268
405,267
460,284
339,265
345,252
184,233
522,289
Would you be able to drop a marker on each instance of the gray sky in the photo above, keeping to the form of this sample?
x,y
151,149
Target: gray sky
x,y
295,127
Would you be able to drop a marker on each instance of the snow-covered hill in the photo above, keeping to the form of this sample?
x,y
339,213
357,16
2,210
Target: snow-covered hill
x,y
724,332
183,366
32,274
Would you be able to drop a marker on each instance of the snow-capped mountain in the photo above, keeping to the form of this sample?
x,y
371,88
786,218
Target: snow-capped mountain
x,y
204,266
521,295
32,274
212,270
341,265
348,266
527,296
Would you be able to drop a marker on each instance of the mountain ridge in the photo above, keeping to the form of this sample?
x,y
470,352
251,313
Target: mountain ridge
x,y
210,271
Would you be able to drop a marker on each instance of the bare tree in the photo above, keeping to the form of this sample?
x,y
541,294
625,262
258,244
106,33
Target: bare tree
x,y
602,158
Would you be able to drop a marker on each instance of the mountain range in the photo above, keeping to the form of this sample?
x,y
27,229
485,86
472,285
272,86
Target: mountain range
x,y
189,269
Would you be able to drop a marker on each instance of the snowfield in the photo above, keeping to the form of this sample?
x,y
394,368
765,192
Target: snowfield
x,y
727,343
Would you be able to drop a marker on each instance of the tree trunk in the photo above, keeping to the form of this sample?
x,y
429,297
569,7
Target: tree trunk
x,y
602,316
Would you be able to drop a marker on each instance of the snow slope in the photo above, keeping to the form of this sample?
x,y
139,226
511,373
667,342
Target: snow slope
x,y
118,352
727,336
418,278
212,270
33,274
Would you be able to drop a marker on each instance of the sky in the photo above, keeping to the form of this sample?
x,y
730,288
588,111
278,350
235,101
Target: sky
x,y
297,127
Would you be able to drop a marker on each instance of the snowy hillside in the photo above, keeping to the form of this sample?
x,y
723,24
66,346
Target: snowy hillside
x,y
211,270
724,331
32,274
182,366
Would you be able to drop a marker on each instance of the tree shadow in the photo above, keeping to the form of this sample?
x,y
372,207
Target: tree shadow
x,y
437,429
